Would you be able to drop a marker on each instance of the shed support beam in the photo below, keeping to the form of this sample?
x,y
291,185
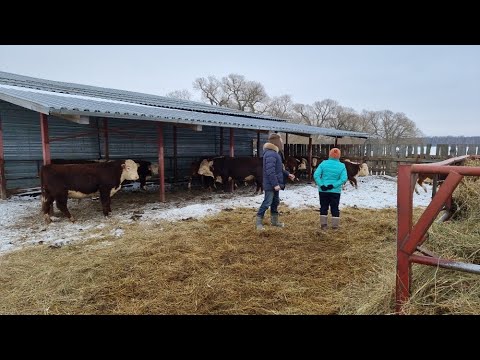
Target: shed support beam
x,y
45,139
309,167
174,153
258,144
3,176
105,138
287,150
221,142
161,162
232,151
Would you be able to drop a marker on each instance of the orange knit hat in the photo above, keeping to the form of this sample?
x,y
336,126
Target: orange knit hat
x,y
335,153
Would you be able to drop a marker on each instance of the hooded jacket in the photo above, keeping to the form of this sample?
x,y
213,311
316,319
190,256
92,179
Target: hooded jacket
x,y
331,172
273,173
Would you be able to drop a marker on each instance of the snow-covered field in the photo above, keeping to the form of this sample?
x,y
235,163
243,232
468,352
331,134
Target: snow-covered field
x,y
21,223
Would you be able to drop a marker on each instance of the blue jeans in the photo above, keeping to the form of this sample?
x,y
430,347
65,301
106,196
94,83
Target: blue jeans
x,y
272,199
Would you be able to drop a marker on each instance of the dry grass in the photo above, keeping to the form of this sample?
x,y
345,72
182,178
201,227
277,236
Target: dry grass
x,y
434,290
441,291
218,265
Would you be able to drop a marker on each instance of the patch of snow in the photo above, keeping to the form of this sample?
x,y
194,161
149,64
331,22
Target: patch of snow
x,y
373,192
117,232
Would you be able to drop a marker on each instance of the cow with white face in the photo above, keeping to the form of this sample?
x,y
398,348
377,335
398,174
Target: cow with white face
x,y
363,170
60,182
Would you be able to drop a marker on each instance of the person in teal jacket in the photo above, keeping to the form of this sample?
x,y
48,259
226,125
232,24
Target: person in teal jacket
x,y
330,175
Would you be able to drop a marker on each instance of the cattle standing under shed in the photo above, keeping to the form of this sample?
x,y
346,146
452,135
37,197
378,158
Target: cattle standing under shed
x,y
145,168
239,168
59,182
201,169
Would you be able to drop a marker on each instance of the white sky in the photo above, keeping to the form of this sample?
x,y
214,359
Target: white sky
x,y
438,87
373,192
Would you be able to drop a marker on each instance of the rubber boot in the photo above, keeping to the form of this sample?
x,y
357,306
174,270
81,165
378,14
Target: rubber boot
x,y
335,222
323,222
259,223
275,221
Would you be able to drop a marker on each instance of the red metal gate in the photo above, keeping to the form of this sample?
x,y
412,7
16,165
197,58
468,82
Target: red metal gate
x,y
411,236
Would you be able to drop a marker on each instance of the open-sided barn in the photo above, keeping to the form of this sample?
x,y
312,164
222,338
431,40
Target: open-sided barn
x,y
42,120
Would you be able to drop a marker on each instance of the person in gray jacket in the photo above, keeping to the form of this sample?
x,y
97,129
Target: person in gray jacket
x,y
273,180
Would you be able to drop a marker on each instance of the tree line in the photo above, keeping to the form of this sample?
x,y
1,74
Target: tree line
x,y
452,140
236,92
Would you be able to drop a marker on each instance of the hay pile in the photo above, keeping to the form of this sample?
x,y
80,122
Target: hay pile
x,y
442,291
434,290
217,265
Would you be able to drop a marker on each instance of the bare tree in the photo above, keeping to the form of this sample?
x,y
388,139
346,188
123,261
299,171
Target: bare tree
x,y
243,94
302,113
211,90
320,114
324,111
280,106
180,94
233,91
345,119
392,126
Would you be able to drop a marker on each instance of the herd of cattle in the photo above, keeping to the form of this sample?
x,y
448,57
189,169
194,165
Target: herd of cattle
x,y
221,169
63,179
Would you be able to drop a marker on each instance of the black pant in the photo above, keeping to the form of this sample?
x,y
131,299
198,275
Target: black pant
x,y
329,199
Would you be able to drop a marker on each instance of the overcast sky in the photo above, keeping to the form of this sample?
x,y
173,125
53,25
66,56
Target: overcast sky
x,y
438,87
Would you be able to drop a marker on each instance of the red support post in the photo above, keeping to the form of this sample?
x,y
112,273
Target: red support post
x,y
287,150
309,167
105,137
221,142
232,153
45,139
161,162
404,225
3,176
433,209
174,153
409,239
258,144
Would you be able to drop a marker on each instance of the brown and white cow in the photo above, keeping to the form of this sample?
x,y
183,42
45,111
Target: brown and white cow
x,y
60,182
353,170
428,179
145,168
202,169
145,171
239,169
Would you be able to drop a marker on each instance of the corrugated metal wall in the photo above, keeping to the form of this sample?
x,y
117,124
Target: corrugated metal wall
x,y
127,139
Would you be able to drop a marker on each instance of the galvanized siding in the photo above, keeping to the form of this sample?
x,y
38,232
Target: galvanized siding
x,y
23,147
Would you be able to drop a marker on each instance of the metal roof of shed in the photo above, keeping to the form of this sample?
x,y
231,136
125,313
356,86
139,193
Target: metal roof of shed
x,y
52,102
122,95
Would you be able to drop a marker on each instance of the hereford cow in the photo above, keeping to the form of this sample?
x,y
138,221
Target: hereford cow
x,y
201,169
427,179
291,165
59,182
352,171
238,169
145,168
